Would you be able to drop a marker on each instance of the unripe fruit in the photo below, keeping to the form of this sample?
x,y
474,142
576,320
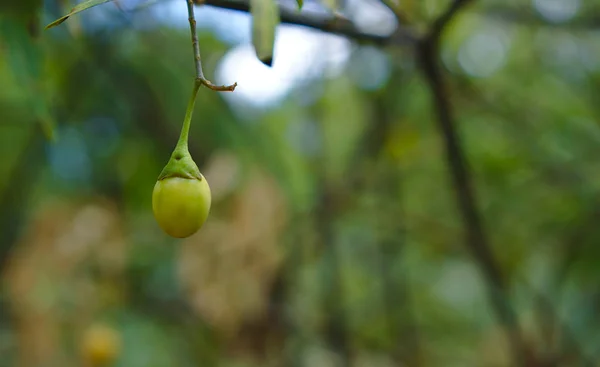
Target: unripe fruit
x,y
181,205
181,196
101,345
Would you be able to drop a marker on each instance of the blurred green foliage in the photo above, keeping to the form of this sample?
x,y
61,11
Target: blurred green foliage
x,y
334,237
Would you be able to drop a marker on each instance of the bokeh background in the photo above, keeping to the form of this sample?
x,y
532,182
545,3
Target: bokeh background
x,y
335,238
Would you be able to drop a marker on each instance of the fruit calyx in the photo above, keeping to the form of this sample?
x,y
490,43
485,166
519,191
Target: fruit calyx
x,y
181,165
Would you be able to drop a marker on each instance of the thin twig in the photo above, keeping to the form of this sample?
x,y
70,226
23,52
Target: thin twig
x,y
476,236
197,60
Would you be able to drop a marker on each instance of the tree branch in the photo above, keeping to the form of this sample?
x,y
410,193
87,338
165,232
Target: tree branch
x,y
476,237
324,22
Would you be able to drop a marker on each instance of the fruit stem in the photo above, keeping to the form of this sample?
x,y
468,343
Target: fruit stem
x,y
182,143
181,163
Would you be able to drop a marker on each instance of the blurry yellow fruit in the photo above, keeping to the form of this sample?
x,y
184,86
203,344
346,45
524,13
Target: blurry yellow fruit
x,y
181,205
101,345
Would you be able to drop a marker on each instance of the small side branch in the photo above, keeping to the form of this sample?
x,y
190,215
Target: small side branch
x,y
440,23
197,59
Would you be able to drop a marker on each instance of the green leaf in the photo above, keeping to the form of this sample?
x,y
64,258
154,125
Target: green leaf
x,y
265,18
300,4
77,9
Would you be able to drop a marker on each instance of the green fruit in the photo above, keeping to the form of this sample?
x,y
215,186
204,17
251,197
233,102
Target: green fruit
x,y
181,205
181,197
